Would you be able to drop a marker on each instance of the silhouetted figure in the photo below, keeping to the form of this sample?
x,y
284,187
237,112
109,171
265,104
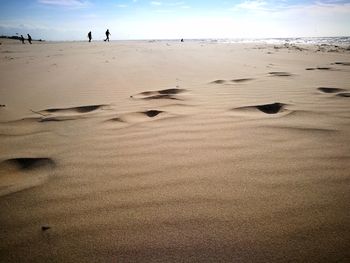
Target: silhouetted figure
x,y
90,36
29,39
182,40
22,39
107,35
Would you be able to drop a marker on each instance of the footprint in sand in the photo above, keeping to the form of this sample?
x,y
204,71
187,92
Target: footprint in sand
x,y
321,68
241,80
134,117
330,90
324,68
79,109
27,163
221,81
218,81
160,94
272,108
67,114
339,92
342,63
280,74
17,174
345,95
152,113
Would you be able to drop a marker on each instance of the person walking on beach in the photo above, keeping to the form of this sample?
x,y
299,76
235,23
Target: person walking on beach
x,y
90,36
107,35
29,39
22,39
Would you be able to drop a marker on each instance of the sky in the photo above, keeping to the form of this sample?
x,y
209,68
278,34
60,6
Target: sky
x,y
174,19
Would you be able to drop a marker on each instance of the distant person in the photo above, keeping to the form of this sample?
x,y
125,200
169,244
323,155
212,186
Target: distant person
x,y
29,39
90,36
182,40
22,39
107,35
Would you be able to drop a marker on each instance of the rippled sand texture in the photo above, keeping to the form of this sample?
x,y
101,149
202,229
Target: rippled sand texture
x,y
174,152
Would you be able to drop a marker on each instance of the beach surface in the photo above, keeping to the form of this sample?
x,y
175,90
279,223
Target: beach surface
x,y
174,152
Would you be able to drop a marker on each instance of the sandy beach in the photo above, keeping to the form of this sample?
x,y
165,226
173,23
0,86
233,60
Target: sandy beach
x,y
137,151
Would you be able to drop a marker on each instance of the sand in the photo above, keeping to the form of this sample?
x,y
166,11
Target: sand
x,y
174,152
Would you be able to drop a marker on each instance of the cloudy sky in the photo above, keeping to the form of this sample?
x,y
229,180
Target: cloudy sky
x,y
164,19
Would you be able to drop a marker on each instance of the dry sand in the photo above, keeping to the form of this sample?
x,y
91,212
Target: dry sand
x,y
174,152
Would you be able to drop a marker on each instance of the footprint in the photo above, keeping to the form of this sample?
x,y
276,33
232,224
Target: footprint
x,y
171,91
345,95
25,164
135,117
218,81
241,80
79,109
152,113
160,94
266,108
342,63
330,90
280,74
17,174
324,68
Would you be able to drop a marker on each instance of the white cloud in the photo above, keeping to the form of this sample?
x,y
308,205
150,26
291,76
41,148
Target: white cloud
x,y
67,3
253,18
122,6
156,3
164,11
176,3
169,4
326,6
252,5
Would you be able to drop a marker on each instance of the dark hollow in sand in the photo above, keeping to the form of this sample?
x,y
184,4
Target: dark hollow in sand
x,y
219,81
116,119
280,74
146,93
30,163
324,68
241,80
79,109
310,69
330,90
161,94
44,228
56,119
343,63
346,95
152,113
171,91
164,96
267,108
271,108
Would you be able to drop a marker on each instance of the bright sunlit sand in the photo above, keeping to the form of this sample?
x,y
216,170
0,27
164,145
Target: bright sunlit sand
x,y
214,150
141,151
